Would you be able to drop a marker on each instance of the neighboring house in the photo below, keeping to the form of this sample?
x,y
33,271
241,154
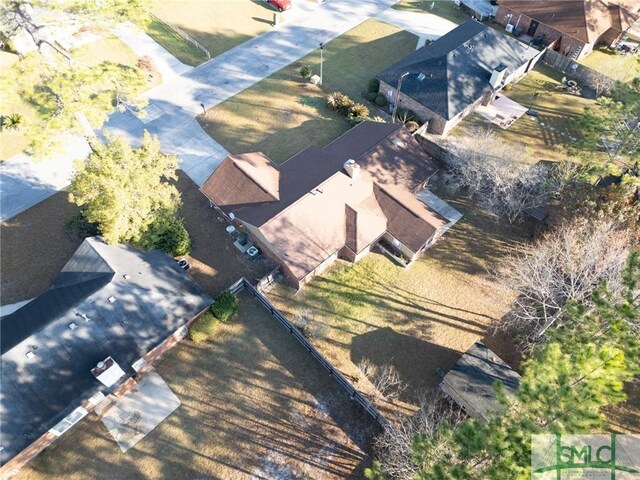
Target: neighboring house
x,y
576,26
470,383
336,202
110,303
447,80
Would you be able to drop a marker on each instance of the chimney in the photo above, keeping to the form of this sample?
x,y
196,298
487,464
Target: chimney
x,y
108,372
352,168
497,76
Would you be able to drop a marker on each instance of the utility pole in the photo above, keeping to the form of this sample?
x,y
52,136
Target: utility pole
x,y
395,104
321,46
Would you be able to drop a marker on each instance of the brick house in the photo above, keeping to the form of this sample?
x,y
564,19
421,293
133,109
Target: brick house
x,y
447,80
574,27
111,310
363,189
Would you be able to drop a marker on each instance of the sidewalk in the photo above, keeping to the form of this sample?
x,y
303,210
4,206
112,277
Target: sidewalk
x,y
142,44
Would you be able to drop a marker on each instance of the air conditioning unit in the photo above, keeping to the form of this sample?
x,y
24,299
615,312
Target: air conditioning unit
x,y
509,28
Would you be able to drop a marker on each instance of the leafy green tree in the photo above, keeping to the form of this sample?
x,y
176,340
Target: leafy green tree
x,y
613,125
69,96
65,94
125,190
167,233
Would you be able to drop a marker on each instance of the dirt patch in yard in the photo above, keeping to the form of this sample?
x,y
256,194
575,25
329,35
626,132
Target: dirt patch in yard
x,y
254,405
34,246
215,262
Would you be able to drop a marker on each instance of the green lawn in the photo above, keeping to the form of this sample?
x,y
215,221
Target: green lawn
x,y
284,114
619,67
420,318
184,51
218,25
441,8
555,108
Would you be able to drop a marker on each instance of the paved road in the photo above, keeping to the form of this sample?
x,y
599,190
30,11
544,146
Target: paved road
x,y
173,105
425,25
25,182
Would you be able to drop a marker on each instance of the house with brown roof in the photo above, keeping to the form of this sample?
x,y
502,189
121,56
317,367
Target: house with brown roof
x,y
363,189
574,27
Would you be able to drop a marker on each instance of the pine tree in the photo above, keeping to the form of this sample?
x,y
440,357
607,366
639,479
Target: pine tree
x,y
565,386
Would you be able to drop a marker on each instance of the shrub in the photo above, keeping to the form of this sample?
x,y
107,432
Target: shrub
x,y
371,96
306,72
353,121
405,115
80,227
225,306
345,104
412,126
147,64
358,110
167,233
203,328
381,100
374,85
174,238
12,122
334,100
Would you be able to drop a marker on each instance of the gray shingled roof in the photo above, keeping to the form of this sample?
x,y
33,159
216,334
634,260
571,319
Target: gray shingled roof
x,y
455,69
154,301
470,382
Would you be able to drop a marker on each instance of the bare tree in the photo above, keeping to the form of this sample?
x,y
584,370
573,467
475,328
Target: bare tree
x,y
393,447
601,84
499,175
566,265
309,324
386,379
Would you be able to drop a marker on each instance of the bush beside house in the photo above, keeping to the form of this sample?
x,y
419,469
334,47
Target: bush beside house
x,y
224,306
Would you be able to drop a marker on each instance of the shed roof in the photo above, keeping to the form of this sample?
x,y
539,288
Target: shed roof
x,y
155,300
470,382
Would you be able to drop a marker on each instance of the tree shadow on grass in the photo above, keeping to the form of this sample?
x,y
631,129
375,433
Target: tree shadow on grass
x,y
415,360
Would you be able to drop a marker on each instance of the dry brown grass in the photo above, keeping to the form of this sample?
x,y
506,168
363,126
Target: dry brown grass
x,y
253,403
215,262
417,319
34,246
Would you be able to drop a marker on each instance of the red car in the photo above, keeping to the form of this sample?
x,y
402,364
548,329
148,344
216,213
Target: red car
x,y
281,5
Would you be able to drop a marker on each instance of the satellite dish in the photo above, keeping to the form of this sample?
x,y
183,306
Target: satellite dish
x,y
232,216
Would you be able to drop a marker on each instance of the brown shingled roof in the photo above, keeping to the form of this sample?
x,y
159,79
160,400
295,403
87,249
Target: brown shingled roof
x,y
585,20
320,208
238,182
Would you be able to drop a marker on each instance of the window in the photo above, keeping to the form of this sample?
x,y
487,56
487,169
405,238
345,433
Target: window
x,y
69,421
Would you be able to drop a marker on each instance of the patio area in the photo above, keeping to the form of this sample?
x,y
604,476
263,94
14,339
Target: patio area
x,y
131,417
502,111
